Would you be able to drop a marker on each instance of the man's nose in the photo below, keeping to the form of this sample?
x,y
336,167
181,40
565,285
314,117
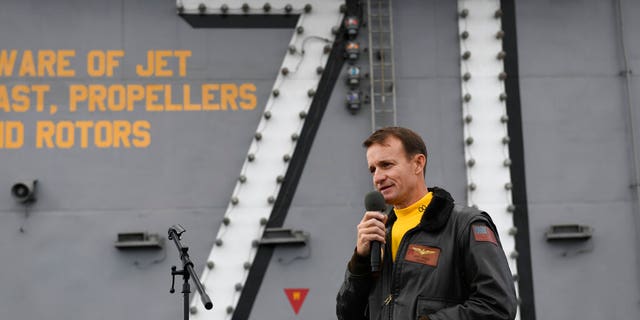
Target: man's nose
x,y
378,177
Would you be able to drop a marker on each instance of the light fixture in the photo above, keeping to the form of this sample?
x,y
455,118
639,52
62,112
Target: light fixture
x,y
352,51
25,191
352,24
353,101
353,77
469,141
471,162
288,8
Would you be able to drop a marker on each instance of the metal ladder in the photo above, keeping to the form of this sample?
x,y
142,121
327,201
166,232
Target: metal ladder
x,y
381,65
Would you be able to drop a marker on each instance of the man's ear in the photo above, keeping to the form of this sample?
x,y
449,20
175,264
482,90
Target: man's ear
x,y
419,161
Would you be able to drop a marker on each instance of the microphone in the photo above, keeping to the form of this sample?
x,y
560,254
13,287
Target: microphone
x,y
374,201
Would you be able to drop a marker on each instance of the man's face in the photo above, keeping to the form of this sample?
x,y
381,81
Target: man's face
x,y
395,175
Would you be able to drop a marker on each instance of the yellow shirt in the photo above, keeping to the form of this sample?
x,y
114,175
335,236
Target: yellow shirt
x,y
408,218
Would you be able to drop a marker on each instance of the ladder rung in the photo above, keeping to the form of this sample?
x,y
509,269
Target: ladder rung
x,y
377,16
386,64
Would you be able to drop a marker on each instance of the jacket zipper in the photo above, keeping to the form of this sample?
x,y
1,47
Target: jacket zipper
x,y
389,299
388,304
389,257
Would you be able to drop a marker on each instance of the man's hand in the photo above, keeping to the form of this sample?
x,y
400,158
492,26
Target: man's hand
x,y
370,228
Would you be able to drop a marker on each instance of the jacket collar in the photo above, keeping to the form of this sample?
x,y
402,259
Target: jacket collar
x,y
437,214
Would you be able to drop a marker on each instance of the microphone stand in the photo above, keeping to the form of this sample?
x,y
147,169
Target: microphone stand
x,y
187,271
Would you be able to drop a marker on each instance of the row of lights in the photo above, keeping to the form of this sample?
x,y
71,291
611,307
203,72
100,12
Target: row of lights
x,y
468,119
246,8
268,115
352,54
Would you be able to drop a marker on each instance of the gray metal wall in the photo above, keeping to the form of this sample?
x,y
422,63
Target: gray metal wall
x,y
577,155
576,139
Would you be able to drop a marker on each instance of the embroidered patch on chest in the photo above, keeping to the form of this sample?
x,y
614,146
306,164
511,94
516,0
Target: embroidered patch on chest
x,y
483,233
423,254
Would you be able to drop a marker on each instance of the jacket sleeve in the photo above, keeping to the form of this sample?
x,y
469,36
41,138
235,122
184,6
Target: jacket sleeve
x,y
352,299
486,272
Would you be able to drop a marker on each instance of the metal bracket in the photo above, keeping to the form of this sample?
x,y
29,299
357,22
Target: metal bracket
x,y
568,232
139,240
277,236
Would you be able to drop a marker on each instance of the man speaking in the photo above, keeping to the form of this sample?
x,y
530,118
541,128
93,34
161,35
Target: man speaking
x,y
438,260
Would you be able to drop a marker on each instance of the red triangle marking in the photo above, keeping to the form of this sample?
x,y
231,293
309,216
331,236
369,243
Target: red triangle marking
x,y
296,297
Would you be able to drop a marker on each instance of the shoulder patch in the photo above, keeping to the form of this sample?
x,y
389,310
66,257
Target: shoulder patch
x,y
483,233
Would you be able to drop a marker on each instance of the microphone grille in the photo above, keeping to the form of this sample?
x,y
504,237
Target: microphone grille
x,y
374,201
